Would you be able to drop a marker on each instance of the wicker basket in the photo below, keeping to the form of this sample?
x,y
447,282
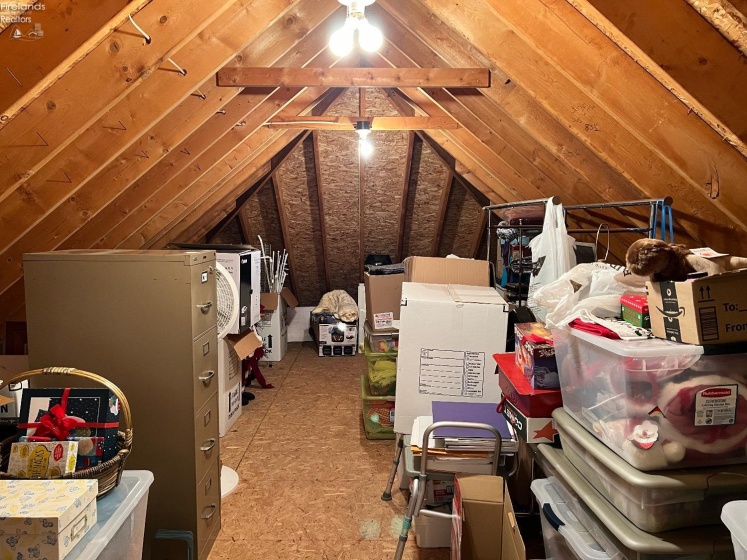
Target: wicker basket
x,y
107,473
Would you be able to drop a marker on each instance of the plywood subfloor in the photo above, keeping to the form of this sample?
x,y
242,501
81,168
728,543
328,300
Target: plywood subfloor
x,y
311,482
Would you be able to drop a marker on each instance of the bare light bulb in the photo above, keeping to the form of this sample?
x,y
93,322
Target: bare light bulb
x,y
366,148
370,38
342,41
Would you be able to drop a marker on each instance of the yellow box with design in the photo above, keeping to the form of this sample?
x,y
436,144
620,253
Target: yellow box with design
x,y
45,518
43,459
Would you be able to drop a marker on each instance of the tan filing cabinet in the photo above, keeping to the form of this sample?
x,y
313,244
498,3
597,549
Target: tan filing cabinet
x,y
145,320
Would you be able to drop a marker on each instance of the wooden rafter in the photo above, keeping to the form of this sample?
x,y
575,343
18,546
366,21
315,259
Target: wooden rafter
x,y
20,211
69,31
348,123
107,74
442,206
353,77
478,235
403,201
322,217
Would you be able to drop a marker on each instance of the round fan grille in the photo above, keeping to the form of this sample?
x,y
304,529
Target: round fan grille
x,y
228,300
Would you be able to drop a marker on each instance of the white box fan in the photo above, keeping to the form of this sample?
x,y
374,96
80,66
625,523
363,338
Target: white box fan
x,y
229,364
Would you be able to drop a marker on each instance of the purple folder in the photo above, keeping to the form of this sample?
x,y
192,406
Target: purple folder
x,y
484,413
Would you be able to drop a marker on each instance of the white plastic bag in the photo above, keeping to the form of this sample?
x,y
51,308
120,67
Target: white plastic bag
x,y
592,287
552,251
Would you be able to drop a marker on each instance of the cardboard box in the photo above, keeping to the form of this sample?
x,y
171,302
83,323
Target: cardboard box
x,y
535,354
449,335
42,459
383,296
45,519
434,270
531,430
273,326
477,526
702,311
634,310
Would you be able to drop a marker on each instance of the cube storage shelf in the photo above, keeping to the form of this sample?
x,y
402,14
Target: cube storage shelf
x,y
378,413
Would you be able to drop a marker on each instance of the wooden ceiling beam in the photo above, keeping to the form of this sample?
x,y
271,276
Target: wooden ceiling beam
x,y
349,123
110,72
671,156
69,32
354,77
726,18
479,234
134,115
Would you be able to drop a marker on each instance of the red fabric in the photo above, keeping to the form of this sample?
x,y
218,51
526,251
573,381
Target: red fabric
x,y
252,364
593,328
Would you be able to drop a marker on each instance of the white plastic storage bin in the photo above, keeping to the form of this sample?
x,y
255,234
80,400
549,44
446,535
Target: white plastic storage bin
x,y
564,535
734,516
657,404
432,532
654,502
619,538
119,532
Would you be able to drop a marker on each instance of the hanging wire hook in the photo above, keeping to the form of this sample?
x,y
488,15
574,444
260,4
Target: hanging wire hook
x,y
220,112
182,71
143,33
200,95
596,241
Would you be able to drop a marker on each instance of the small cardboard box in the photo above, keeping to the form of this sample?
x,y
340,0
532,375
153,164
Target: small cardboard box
x,y
45,519
273,326
531,430
634,310
535,354
434,270
477,525
383,295
42,459
710,310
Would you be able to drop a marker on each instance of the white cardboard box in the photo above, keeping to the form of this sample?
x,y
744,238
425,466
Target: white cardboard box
x,y
448,335
10,366
273,326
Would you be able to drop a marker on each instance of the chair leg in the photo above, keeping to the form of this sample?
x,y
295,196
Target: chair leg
x,y
387,495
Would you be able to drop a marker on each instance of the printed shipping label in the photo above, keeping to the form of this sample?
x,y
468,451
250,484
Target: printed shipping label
x,y
716,406
383,320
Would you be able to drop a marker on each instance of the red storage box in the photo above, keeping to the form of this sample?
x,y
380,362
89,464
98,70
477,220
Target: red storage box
x,y
533,403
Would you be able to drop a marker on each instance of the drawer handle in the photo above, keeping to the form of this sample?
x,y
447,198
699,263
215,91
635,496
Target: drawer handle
x,y
211,443
208,377
212,508
205,307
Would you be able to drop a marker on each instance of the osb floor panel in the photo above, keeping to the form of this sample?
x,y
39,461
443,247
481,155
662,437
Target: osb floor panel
x,y
310,482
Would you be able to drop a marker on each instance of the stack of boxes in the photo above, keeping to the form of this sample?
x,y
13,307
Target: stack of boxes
x,y
654,432
381,330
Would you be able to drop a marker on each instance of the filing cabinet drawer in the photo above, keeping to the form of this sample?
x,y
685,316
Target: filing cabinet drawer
x,y
203,298
207,448
205,367
208,544
208,504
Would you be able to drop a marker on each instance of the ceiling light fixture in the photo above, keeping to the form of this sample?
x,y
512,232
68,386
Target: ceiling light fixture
x,y
365,147
370,38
